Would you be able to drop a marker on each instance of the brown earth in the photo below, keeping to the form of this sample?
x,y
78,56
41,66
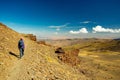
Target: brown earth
x,y
39,62
69,57
100,65
99,59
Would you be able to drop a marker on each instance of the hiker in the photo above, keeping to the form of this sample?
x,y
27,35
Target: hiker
x,y
21,47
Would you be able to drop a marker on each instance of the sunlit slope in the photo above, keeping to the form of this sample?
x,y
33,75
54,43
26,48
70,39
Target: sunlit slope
x,y
39,62
96,45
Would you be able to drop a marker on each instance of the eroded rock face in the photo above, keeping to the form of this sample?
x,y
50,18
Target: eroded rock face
x,y
69,57
31,36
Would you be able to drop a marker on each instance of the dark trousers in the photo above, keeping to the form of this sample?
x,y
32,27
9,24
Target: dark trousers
x,y
21,52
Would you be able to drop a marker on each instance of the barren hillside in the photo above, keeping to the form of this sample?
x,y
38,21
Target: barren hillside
x,y
83,59
99,57
38,63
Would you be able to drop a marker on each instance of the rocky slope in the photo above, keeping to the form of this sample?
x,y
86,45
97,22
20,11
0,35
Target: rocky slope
x,y
38,63
99,58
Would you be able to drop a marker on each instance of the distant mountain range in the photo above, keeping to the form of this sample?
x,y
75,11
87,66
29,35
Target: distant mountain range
x,y
117,39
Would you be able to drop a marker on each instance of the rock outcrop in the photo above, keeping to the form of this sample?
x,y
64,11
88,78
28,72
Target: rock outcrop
x,y
43,43
69,57
31,37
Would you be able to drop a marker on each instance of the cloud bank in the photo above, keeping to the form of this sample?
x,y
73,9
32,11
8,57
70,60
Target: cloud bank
x,y
99,28
82,30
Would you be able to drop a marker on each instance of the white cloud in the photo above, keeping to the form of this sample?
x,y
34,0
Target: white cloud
x,y
58,27
99,28
85,22
82,30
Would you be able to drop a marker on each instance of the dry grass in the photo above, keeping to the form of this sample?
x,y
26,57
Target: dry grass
x,y
99,59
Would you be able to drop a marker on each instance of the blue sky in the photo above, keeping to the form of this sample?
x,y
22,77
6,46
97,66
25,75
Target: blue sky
x,y
58,19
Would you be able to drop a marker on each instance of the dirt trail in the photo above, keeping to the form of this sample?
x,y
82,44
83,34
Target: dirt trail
x,y
17,69
36,64
21,69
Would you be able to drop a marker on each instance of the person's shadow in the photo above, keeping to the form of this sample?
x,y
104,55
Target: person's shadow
x,y
13,54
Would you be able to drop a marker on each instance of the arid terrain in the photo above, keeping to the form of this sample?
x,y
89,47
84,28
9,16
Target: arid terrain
x,y
99,57
76,59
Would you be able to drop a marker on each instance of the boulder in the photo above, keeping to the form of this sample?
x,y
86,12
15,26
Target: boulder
x,y
59,50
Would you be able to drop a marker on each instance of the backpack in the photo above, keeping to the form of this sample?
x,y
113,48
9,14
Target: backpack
x,y
21,44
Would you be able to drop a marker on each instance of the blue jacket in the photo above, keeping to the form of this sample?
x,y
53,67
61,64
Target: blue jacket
x,y
21,44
